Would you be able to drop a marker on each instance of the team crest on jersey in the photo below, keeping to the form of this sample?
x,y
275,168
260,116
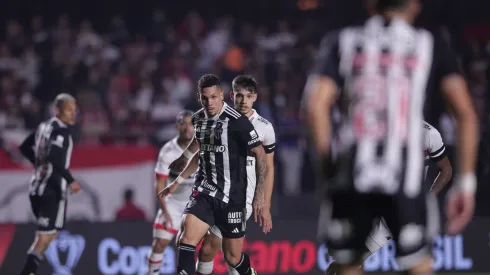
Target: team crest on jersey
x,y
218,130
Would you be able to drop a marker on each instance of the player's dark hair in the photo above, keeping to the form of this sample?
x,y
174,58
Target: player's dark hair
x,y
128,194
61,99
246,82
385,5
183,114
208,80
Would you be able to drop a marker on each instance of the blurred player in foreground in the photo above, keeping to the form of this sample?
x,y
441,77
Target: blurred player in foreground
x,y
169,216
434,151
381,73
223,139
49,150
244,95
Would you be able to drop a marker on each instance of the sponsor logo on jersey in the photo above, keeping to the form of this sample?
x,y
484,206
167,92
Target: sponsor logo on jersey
x,y
235,217
253,134
255,140
213,148
208,186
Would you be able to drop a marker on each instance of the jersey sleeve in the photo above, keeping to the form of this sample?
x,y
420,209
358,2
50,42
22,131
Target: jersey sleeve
x,y
327,61
246,133
436,148
269,140
26,148
59,151
163,162
446,62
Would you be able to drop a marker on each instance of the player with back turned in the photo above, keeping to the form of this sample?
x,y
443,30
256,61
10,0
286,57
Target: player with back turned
x,y
223,138
49,150
382,73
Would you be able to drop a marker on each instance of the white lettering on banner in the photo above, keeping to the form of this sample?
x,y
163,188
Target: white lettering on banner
x,y
448,253
114,259
99,200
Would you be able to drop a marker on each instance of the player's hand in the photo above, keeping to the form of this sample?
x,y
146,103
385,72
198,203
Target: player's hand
x,y
75,187
169,189
459,210
178,165
265,220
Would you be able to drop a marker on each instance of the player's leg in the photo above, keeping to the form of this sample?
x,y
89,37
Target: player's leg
x,y
232,224
162,236
50,215
210,247
349,224
414,223
377,239
197,218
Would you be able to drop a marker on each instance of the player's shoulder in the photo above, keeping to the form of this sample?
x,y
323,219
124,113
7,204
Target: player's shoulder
x,y
430,130
263,123
199,114
233,115
169,146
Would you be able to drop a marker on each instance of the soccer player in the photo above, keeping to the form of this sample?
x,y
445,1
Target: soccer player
x,y
244,95
381,73
435,151
223,139
49,150
168,219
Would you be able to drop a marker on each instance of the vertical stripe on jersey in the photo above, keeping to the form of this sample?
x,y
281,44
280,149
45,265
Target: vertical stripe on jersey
x,y
415,165
223,174
208,166
200,177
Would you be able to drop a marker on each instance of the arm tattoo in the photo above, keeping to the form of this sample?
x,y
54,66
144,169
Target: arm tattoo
x,y
262,173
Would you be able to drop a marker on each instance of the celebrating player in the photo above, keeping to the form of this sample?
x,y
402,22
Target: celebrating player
x,y
382,71
435,151
49,150
224,138
168,219
244,95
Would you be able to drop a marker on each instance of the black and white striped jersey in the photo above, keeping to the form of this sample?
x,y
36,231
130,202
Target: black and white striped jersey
x,y
49,149
383,70
224,142
434,149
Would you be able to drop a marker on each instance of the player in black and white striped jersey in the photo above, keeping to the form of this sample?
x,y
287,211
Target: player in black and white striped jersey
x,y
244,94
380,73
49,150
223,139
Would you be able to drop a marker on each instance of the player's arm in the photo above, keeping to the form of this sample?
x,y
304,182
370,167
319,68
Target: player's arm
x,y
180,163
455,90
445,174
437,154
321,94
262,169
269,148
26,148
58,153
189,169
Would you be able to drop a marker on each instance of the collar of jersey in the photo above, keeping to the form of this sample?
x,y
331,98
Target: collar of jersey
x,y
217,115
375,24
253,116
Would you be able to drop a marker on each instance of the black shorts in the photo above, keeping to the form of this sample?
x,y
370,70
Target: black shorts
x,y
413,222
228,217
50,212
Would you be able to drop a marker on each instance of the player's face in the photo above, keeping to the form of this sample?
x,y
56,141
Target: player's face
x,y
212,100
185,128
67,112
244,100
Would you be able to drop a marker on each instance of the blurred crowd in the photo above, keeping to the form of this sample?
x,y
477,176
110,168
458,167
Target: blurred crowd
x,y
130,86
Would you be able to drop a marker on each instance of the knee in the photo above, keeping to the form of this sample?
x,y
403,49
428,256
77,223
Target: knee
x,y
43,241
233,258
159,245
207,251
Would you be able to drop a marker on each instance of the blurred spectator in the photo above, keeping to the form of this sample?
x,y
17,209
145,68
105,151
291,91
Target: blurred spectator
x,y
129,211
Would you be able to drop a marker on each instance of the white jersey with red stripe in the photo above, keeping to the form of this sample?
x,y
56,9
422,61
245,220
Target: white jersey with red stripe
x,y
434,150
176,201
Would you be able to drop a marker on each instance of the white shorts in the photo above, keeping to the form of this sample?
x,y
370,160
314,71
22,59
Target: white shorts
x,y
379,236
215,230
175,210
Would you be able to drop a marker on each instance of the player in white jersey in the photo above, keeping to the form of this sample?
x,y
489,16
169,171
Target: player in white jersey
x,y
168,219
244,94
434,151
